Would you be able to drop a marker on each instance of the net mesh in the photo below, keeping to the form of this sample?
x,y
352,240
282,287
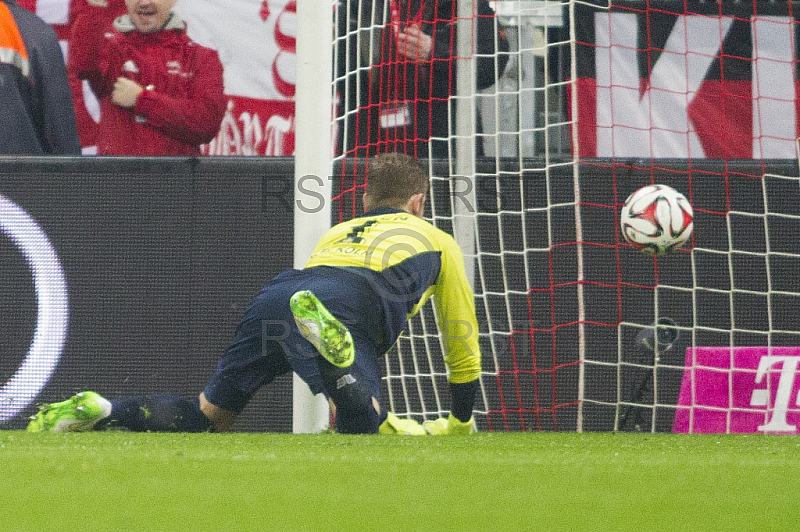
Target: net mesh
x,y
588,102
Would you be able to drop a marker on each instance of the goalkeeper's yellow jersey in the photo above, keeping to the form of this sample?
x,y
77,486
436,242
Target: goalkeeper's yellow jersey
x,y
406,260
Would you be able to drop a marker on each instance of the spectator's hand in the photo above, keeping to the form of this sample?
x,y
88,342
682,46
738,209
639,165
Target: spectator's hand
x,y
125,92
97,3
413,44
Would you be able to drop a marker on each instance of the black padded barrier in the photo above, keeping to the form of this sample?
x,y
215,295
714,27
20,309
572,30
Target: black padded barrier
x,y
161,257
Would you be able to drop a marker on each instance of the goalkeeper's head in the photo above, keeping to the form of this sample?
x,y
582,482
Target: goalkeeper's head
x,y
396,180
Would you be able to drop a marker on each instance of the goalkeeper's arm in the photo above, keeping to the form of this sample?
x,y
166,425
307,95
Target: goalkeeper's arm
x,y
460,421
455,309
462,398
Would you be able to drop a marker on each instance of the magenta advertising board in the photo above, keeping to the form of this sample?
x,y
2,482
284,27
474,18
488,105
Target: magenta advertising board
x,y
739,390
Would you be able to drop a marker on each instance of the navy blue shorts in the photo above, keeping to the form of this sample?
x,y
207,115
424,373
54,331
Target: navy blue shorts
x,y
267,343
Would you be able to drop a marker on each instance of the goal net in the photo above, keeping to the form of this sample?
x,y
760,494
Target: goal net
x,y
536,120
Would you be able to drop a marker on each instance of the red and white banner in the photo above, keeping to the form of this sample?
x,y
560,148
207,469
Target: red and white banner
x,y
256,43
687,80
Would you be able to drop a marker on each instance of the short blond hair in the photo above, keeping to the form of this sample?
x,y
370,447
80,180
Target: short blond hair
x,y
393,178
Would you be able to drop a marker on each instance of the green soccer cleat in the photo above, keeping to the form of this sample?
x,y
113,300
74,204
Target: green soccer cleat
x,y
79,413
322,329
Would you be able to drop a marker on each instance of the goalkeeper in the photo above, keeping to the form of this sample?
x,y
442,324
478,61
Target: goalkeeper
x,y
330,322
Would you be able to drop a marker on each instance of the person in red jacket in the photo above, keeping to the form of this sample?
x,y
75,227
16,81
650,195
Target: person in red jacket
x,y
102,13
160,92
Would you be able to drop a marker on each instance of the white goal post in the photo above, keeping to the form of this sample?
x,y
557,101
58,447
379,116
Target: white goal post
x,y
312,170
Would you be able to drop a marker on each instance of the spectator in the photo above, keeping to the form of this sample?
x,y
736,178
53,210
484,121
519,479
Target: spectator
x,y
160,92
36,102
102,13
405,92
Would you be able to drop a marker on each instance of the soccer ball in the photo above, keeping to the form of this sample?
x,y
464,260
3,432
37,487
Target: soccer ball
x,y
656,219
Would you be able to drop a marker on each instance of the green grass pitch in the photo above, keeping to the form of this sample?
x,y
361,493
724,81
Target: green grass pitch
x,y
490,481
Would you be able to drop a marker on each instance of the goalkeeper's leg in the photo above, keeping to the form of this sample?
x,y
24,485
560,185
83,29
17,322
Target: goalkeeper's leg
x,y
168,413
157,413
90,411
354,396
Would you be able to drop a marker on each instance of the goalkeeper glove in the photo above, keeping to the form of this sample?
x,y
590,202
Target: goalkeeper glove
x,y
450,425
395,425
